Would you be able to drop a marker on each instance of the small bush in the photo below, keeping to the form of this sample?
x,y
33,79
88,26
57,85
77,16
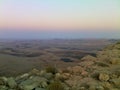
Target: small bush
x,y
55,86
51,69
95,75
59,77
65,71
102,64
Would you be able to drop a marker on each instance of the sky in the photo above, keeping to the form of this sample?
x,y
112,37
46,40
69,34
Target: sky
x,y
34,19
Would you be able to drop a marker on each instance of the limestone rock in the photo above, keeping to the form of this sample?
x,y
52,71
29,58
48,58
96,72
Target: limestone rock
x,y
12,83
116,82
104,77
27,85
77,70
35,72
48,76
99,87
33,82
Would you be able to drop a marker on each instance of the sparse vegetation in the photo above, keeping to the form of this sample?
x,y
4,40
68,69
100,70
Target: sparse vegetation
x,y
51,69
91,73
102,64
56,85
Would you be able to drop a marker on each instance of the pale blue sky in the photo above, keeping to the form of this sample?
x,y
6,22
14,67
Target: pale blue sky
x,y
65,18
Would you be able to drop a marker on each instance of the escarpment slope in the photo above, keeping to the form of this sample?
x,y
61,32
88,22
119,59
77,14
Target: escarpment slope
x,y
92,73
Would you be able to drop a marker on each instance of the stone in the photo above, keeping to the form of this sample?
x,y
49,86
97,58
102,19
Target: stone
x,y
116,82
77,70
33,82
66,76
106,85
48,76
92,87
104,77
28,85
35,72
99,87
24,75
11,82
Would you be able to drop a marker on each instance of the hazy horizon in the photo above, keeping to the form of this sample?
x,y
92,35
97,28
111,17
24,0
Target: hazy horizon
x,y
58,35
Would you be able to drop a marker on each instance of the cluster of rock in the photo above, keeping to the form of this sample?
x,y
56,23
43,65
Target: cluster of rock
x,y
92,73
97,73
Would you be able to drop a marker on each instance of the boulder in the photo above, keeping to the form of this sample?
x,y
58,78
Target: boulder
x,y
11,82
33,82
104,77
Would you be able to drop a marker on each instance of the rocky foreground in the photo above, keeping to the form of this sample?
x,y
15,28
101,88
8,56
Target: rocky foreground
x,y
93,73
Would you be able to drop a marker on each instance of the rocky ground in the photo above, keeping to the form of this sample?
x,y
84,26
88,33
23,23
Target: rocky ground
x,y
93,73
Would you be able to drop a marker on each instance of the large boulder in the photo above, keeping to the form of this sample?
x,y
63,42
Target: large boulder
x,y
12,83
33,82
